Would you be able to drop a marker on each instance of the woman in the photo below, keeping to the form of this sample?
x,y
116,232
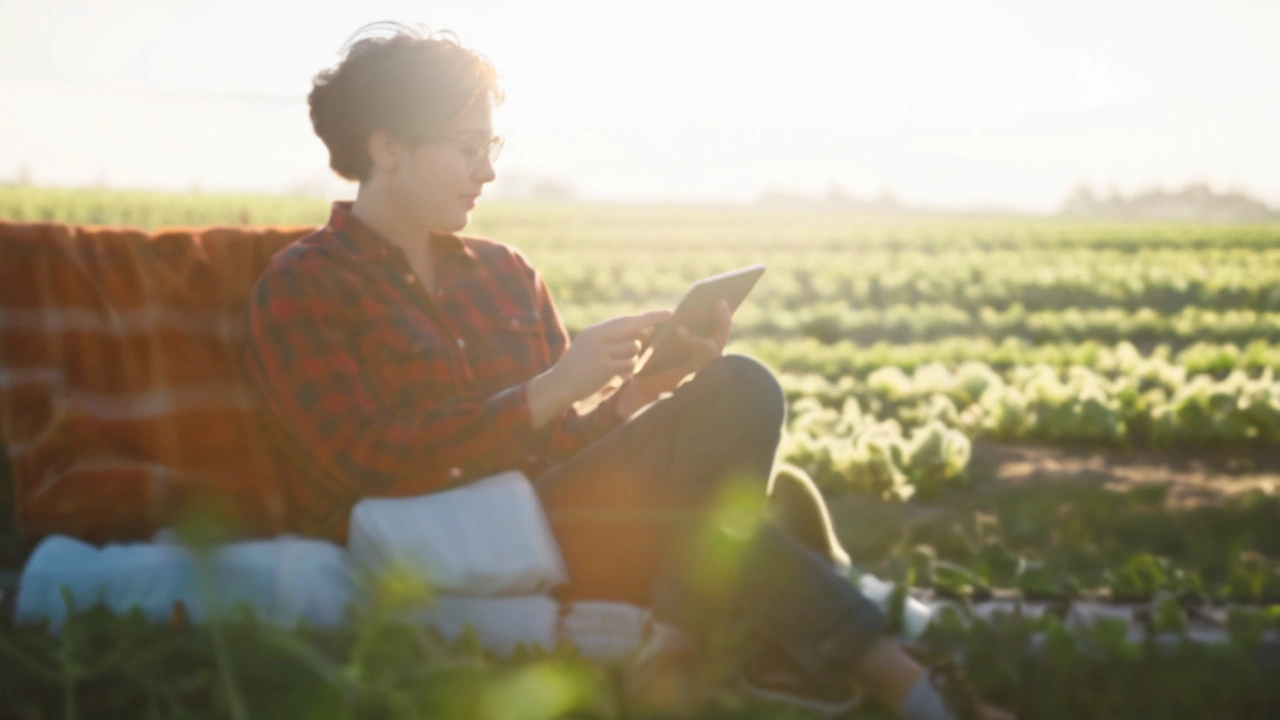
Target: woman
x,y
400,358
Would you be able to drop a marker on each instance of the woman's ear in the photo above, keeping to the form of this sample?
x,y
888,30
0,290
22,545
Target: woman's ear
x,y
384,151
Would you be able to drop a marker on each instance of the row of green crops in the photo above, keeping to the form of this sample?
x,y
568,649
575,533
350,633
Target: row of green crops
x,y
984,562
1156,404
1163,280
835,321
846,358
898,434
847,451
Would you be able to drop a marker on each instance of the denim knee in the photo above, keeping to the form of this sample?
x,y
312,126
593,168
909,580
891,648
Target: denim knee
x,y
746,389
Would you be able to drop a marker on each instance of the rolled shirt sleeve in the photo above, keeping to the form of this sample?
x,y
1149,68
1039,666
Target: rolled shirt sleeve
x,y
571,430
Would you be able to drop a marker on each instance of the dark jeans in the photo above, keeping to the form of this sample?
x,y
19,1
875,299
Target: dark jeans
x,y
640,518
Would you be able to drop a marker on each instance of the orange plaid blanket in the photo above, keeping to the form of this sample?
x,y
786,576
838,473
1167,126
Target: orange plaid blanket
x,y
122,399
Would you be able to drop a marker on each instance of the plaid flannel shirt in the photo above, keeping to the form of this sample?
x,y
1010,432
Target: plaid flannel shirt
x,y
382,389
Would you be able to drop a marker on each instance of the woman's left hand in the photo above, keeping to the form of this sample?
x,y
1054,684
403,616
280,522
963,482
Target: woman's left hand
x,y
639,391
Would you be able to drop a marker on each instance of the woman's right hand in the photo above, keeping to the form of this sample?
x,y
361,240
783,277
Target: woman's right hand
x,y
603,351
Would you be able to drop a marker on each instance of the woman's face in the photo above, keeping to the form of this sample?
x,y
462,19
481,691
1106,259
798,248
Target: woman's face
x,y
436,184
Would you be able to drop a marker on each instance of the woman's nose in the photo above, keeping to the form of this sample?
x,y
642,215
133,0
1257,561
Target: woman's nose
x,y
484,171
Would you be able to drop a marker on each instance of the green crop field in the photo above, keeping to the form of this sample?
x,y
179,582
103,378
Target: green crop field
x,y
1026,409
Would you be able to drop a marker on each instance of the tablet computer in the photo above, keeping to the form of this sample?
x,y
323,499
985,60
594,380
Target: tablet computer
x,y
697,311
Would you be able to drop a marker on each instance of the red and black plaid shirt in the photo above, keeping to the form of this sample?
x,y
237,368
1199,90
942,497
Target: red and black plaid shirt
x,y
381,389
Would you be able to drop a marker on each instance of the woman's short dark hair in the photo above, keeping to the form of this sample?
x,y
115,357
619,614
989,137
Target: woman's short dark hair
x,y
411,83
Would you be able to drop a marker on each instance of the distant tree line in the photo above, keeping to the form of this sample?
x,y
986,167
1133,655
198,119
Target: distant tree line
x,y
1195,202
884,202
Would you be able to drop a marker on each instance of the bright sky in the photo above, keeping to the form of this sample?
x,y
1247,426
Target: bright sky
x,y
947,102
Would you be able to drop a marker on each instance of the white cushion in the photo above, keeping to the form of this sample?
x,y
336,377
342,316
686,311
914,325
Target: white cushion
x,y
500,623
604,632
284,581
487,538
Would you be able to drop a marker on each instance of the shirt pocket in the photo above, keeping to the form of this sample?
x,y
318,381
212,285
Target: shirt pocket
x,y
515,344
408,372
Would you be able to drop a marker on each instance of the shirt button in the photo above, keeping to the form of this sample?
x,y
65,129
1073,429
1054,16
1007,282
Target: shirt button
x,y
462,343
455,473
410,278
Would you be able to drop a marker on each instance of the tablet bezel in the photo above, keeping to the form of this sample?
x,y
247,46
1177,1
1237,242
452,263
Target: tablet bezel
x,y
696,306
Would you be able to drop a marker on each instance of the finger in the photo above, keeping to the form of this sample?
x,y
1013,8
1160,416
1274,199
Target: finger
x,y
703,349
629,349
634,325
706,349
621,367
688,337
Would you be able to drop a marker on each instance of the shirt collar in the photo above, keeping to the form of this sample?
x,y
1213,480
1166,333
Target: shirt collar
x,y
366,244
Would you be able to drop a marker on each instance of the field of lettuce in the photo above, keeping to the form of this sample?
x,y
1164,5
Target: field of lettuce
x,y
1012,409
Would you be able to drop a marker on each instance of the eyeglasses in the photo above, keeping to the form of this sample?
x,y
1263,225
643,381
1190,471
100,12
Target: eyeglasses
x,y
476,149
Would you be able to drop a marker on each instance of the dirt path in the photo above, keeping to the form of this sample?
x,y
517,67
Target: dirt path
x,y
1196,478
